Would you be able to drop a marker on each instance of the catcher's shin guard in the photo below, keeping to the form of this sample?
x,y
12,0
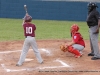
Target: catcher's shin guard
x,y
74,51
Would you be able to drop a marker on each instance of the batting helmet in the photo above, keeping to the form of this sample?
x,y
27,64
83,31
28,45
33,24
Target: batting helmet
x,y
91,6
74,28
28,18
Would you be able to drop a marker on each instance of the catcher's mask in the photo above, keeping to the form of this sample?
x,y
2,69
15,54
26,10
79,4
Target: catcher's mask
x,y
28,18
74,28
91,6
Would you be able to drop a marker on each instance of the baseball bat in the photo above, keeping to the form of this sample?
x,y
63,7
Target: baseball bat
x,y
25,7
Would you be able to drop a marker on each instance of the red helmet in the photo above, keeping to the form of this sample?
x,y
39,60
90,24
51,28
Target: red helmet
x,y
74,28
28,18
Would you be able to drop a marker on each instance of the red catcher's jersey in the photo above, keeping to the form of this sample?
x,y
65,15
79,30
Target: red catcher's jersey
x,y
29,29
78,39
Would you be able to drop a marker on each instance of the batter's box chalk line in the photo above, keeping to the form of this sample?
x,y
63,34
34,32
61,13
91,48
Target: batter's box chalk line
x,y
46,51
63,64
31,69
6,52
28,59
42,49
9,70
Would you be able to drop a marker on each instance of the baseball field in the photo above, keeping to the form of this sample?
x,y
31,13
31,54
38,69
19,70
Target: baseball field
x,y
50,34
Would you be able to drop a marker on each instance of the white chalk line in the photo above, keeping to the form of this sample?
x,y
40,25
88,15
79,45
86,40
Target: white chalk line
x,y
9,70
42,49
31,69
64,64
28,59
45,50
51,67
9,51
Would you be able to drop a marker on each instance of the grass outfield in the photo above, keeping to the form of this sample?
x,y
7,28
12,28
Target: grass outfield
x,y
11,29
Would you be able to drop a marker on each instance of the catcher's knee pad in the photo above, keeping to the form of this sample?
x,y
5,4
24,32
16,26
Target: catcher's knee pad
x,y
74,51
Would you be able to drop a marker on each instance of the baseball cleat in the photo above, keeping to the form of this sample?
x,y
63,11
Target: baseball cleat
x,y
94,58
78,56
90,54
18,64
41,62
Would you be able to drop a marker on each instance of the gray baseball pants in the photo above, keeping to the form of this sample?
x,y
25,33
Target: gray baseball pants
x,y
94,41
29,41
78,47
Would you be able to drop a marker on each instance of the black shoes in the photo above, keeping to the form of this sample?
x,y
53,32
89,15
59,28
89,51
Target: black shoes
x,y
90,54
94,58
41,62
18,64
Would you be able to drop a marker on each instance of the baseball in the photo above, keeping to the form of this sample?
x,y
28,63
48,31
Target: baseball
x,y
24,5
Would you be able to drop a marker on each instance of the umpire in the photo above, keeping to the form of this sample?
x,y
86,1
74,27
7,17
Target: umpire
x,y
93,22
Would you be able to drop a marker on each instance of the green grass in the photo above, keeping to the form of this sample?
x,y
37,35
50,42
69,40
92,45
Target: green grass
x,y
11,29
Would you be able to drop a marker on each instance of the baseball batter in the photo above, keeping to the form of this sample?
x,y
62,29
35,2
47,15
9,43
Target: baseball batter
x,y
77,45
29,32
93,22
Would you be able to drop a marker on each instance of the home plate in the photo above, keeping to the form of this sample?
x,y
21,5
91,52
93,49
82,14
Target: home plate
x,y
27,59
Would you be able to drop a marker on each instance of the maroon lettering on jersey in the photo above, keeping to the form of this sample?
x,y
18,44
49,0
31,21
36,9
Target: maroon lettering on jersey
x,y
29,29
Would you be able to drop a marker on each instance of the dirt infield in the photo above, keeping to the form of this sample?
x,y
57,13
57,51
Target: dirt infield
x,y
56,62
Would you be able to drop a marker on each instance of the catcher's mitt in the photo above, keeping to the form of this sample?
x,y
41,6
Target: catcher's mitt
x,y
63,48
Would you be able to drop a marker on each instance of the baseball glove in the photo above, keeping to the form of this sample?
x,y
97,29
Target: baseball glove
x,y
63,48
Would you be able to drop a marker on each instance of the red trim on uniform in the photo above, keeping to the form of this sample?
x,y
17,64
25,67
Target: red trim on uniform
x,y
78,39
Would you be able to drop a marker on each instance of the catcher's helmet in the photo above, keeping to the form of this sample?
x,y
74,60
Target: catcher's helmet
x,y
91,6
28,18
74,28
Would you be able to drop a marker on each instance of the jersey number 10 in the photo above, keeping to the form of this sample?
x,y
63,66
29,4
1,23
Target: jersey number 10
x,y
28,30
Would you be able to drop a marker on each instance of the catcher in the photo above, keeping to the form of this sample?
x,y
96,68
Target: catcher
x,y
77,45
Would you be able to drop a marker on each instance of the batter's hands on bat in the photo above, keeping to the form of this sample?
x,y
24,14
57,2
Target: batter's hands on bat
x,y
25,16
